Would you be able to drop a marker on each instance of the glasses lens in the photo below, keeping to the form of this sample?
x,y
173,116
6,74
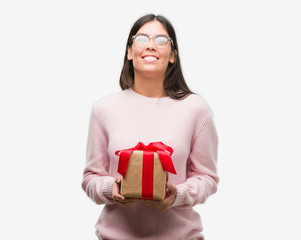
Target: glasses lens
x,y
161,41
141,40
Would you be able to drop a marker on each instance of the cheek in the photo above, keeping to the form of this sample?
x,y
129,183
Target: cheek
x,y
133,53
167,54
136,52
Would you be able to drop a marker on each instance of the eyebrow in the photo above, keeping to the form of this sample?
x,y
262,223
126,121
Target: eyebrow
x,y
154,35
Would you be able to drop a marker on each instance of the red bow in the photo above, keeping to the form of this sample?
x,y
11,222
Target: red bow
x,y
163,151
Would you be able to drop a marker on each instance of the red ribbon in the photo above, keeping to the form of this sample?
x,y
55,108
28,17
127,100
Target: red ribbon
x,y
164,153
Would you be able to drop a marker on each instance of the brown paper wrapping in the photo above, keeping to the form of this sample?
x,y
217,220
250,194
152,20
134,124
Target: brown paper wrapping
x,y
131,185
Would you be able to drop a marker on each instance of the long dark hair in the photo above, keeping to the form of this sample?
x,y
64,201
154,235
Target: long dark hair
x,y
174,82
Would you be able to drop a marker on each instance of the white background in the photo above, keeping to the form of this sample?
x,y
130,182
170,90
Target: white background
x,y
58,57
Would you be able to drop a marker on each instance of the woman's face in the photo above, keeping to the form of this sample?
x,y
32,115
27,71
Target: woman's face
x,y
150,60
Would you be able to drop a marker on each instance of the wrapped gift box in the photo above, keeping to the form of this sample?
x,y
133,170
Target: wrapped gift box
x,y
145,170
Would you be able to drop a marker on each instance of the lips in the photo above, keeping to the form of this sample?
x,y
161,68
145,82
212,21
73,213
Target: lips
x,y
150,58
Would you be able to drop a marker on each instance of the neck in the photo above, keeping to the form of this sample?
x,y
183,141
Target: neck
x,y
149,87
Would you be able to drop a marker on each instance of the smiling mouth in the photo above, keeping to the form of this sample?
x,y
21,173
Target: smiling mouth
x,y
150,58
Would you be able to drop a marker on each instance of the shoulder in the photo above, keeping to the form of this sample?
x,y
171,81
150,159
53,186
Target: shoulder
x,y
108,101
197,104
202,112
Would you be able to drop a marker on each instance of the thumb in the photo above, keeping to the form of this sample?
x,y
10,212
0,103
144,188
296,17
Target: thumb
x,y
171,187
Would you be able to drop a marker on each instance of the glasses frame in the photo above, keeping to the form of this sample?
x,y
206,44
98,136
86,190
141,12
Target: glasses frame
x,y
154,37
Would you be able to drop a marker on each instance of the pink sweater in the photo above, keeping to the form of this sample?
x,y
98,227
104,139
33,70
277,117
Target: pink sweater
x,y
120,121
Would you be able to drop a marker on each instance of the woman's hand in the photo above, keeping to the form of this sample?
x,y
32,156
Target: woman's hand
x,y
167,202
118,198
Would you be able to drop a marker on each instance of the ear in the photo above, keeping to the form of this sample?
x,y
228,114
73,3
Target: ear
x,y
129,55
172,56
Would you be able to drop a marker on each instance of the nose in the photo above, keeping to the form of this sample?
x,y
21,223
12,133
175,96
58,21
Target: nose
x,y
151,43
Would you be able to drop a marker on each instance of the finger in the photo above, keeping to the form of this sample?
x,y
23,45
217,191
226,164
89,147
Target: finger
x,y
171,187
116,192
119,198
118,179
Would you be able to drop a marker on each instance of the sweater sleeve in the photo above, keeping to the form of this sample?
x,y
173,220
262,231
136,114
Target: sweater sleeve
x,y
202,176
96,181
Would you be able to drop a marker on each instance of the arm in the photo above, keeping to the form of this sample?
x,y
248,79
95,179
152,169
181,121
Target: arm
x,y
202,176
96,180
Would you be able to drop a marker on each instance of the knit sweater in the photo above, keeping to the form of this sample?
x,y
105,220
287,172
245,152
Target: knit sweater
x,y
121,120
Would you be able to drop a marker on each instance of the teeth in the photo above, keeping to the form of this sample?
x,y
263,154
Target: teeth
x,y
150,58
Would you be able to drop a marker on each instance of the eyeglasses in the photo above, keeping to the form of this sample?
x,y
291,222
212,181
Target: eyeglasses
x,y
160,41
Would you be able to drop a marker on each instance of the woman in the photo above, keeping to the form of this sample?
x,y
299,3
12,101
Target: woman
x,y
155,105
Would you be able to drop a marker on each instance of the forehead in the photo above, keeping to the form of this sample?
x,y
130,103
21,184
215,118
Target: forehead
x,y
153,28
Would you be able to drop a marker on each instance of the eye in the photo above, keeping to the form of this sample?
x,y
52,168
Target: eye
x,y
161,40
141,39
